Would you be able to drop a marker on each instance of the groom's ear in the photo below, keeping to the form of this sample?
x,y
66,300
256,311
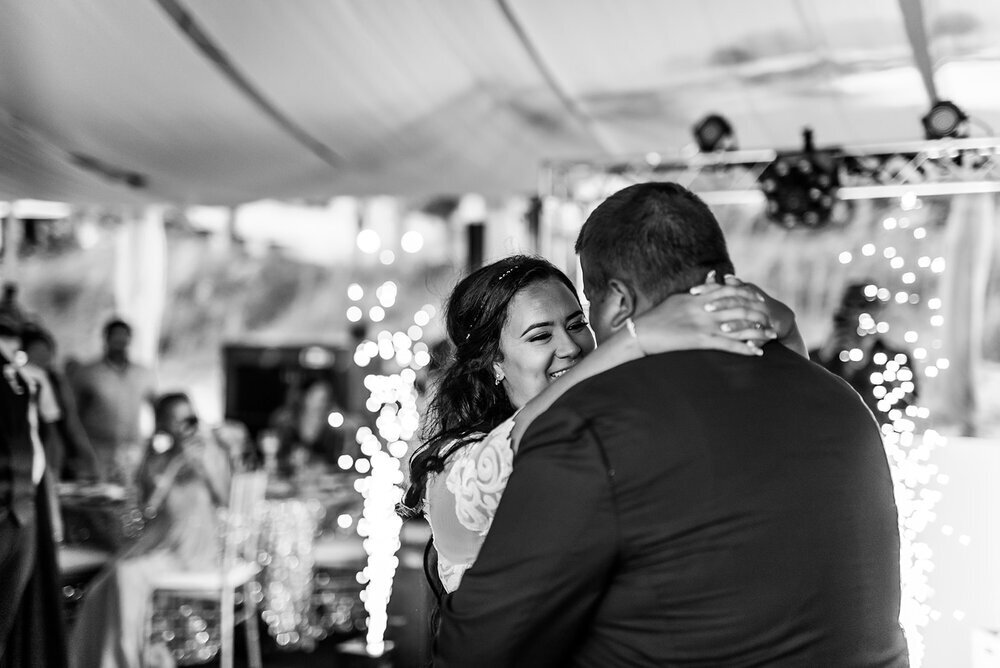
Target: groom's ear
x,y
620,303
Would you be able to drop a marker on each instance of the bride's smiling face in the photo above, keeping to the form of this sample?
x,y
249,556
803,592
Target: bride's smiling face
x,y
546,333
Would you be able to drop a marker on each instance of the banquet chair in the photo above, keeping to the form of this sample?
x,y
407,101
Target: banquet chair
x,y
239,570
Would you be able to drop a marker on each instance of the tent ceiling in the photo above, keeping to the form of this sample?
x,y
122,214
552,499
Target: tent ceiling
x,y
223,101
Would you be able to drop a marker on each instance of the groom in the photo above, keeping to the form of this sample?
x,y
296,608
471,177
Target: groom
x,y
689,508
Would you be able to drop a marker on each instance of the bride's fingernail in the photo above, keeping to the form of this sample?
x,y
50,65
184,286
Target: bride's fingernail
x,y
710,307
696,290
726,327
710,277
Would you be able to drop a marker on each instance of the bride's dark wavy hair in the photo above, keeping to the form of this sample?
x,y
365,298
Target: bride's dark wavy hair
x,y
467,400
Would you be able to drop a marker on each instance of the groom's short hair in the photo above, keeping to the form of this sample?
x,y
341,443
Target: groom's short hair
x,y
658,236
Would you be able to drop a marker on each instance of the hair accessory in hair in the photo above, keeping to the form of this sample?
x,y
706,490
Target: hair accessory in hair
x,y
506,273
482,306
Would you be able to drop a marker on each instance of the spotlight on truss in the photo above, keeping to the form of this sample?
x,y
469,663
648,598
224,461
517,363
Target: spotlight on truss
x,y
945,119
801,188
714,133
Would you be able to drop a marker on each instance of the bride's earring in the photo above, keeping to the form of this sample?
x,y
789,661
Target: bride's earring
x,y
497,377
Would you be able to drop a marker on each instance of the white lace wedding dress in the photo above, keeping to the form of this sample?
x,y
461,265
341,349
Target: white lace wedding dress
x,y
462,499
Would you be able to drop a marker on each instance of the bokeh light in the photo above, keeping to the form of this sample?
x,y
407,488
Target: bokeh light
x,y
369,241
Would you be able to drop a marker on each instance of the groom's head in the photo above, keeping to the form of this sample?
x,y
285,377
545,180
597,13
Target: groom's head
x,y
643,244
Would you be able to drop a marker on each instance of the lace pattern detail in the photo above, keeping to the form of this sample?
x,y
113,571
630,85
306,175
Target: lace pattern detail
x,y
479,476
450,574
474,479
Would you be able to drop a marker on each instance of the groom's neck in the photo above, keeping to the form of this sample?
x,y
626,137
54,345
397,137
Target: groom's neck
x,y
643,303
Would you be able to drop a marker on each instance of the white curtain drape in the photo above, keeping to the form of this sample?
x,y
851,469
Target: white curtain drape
x,y
140,283
968,256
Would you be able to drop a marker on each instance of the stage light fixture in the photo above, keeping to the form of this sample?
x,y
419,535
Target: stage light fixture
x,y
714,133
945,119
801,188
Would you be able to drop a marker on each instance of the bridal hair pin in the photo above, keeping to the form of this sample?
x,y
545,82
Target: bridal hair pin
x,y
482,305
506,273
479,311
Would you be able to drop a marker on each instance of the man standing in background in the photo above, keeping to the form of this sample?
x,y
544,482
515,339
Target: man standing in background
x,y
31,629
110,394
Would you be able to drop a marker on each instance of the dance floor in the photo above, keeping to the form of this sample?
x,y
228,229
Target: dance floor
x,y
963,536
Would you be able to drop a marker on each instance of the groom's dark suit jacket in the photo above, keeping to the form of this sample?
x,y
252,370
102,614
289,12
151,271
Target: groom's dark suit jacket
x,y
690,509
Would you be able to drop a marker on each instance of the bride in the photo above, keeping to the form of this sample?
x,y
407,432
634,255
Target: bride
x,y
521,339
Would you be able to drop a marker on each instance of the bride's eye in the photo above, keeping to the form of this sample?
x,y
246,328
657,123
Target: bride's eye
x,y
545,336
578,324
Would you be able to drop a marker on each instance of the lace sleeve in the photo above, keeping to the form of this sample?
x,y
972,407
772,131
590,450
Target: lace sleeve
x,y
479,476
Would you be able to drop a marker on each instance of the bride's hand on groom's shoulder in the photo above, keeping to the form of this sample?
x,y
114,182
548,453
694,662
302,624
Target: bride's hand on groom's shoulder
x,y
734,317
767,317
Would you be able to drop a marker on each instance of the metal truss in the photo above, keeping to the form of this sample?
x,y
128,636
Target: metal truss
x,y
923,168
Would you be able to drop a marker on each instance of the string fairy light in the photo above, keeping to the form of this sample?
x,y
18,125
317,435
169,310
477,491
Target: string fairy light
x,y
393,400
908,445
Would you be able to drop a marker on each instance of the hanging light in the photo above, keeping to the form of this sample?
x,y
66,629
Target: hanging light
x,y
801,188
945,119
714,133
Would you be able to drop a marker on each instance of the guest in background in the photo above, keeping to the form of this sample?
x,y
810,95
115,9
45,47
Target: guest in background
x,y
313,425
67,448
31,628
234,439
48,415
10,305
110,394
183,479
881,373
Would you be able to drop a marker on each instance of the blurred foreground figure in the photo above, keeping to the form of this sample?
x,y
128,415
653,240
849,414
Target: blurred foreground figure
x,y
183,479
695,507
67,449
881,373
31,629
110,393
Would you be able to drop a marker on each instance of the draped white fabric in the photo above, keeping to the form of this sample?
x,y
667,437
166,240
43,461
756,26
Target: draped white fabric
x,y
140,281
418,97
969,253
